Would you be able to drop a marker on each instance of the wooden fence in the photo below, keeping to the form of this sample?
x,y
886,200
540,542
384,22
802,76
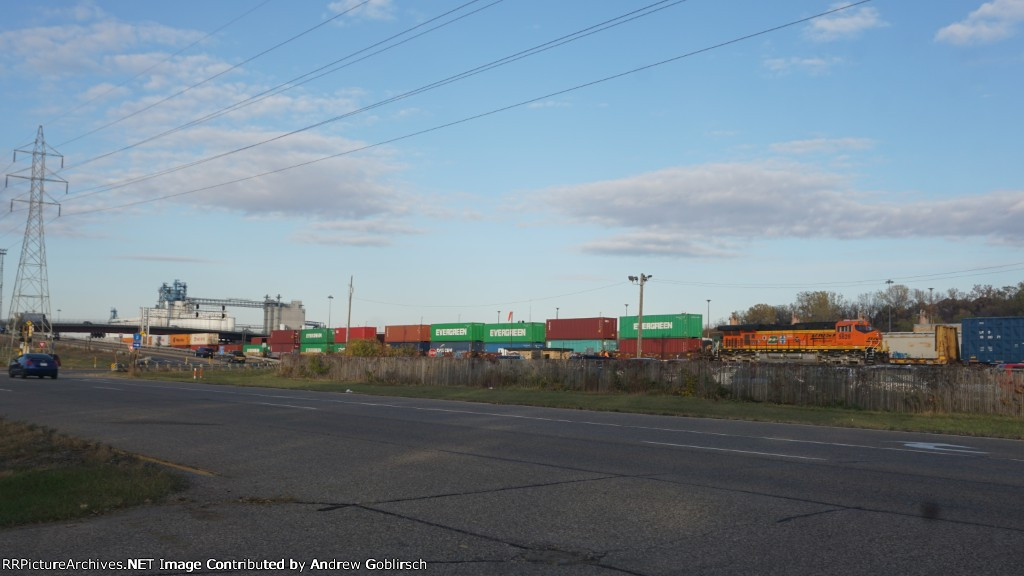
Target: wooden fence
x,y
911,389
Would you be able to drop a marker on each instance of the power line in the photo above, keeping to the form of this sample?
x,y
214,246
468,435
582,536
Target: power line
x,y
617,21
303,79
219,74
966,273
434,128
492,304
158,64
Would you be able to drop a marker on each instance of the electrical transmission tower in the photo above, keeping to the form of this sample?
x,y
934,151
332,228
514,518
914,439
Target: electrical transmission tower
x,y
3,253
31,297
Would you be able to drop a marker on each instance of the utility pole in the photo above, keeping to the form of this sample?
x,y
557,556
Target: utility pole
x,y
31,287
641,280
348,323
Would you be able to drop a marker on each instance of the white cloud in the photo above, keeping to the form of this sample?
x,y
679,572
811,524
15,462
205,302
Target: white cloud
x,y
815,66
548,104
372,10
374,232
845,24
83,48
822,146
993,21
660,243
711,210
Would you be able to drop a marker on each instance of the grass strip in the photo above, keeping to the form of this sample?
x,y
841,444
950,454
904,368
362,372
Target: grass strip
x,y
45,476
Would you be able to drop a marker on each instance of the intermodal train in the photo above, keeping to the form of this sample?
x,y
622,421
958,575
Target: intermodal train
x,y
842,342
668,337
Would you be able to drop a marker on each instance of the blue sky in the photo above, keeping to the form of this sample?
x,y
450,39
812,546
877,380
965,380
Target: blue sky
x,y
737,151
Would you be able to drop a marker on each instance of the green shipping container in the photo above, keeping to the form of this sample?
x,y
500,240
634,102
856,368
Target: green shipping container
x,y
663,326
316,336
254,349
463,332
514,332
316,348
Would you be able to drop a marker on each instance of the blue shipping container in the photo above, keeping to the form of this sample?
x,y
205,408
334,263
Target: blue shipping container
x,y
456,349
501,347
586,346
419,347
993,340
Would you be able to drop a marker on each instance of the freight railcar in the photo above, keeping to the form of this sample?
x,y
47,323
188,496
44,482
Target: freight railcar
x,y
842,342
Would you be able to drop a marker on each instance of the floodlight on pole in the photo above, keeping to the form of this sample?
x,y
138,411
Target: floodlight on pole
x,y
641,280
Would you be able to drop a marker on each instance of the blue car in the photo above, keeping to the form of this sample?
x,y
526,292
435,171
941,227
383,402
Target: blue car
x,y
40,365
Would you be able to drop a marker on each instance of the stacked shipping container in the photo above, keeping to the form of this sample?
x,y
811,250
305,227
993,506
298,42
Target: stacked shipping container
x,y
500,338
414,336
456,339
316,341
583,335
283,341
665,336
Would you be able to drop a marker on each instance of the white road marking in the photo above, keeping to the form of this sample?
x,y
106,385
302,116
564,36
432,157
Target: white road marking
x,y
731,450
5,390
283,405
942,447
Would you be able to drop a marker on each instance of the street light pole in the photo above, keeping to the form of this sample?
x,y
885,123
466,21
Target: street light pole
x,y
641,280
330,302
889,298
709,317
931,304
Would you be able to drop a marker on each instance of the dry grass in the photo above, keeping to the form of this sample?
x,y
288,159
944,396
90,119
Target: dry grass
x,y
46,476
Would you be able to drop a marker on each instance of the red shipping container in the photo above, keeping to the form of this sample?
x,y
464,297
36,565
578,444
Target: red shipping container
x,y
283,348
407,333
358,333
599,328
662,348
284,337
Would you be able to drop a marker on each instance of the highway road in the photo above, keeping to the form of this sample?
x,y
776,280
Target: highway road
x,y
312,480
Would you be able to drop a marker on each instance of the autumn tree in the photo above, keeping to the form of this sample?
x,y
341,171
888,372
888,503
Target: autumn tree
x,y
765,314
820,306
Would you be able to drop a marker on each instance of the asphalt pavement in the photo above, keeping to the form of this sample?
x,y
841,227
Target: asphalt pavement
x,y
320,483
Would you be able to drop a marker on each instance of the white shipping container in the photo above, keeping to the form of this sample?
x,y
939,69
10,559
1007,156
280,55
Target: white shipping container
x,y
910,345
203,339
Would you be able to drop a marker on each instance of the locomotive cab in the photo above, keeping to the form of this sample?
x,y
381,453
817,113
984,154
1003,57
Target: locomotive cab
x,y
858,332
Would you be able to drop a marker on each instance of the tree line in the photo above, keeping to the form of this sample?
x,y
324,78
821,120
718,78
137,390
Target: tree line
x,y
894,309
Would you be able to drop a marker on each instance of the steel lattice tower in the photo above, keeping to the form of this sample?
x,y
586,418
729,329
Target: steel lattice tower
x,y
31,287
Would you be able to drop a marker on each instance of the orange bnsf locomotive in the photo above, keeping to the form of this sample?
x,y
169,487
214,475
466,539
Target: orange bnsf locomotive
x,y
842,342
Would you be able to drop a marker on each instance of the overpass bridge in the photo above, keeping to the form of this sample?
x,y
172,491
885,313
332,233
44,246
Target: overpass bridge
x,y
106,329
